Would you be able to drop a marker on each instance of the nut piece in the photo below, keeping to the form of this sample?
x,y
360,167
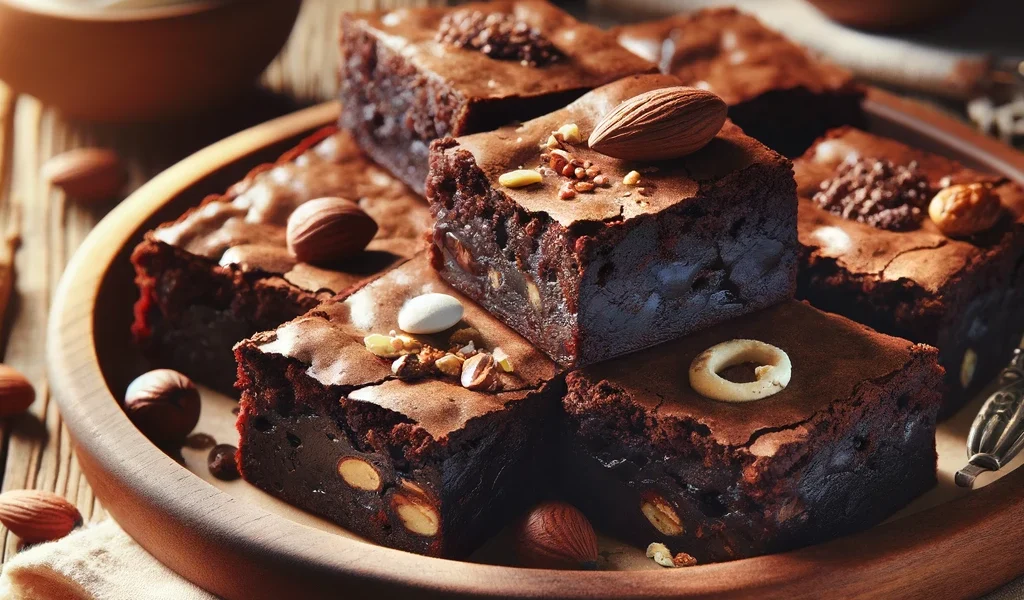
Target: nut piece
x,y
222,463
450,365
465,335
533,293
88,174
359,474
478,372
962,210
519,178
416,514
661,514
682,559
164,405
570,133
772,376
328,230
660,124
967,368
381,345
16,393
38,516
556,535
430,313
661,554
502,360
631,178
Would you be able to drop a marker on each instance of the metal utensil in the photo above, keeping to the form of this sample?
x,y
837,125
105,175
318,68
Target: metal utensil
x,y
997,434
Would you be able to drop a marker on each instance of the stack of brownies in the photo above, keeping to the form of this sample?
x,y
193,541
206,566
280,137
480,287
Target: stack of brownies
x,y
608,320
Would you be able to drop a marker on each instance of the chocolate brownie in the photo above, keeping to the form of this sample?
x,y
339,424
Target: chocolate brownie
x,y
222,271
850,440
888,265
390,447
412,75
776,91
615,267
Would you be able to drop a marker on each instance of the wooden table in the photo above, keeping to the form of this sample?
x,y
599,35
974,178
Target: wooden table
x,y
35,449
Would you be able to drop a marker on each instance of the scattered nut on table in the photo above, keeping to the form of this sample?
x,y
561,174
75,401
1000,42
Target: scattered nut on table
x,y
37,515
16,392
556,535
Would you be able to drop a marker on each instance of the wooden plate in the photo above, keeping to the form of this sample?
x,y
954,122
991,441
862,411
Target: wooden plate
x,y
244,545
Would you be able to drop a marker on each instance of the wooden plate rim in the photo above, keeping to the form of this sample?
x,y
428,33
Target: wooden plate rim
x,y
239,550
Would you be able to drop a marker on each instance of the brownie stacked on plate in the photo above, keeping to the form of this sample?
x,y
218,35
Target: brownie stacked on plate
x,y
603,309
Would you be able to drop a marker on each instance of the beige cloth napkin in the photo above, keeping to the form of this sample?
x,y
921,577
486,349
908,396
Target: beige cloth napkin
x,y
99,562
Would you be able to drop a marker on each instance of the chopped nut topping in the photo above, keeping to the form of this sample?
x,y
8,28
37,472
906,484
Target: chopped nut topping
x,y
683,559
500,36
601,180
583,186
478,372
876,192
519,178
450,365
570,133
631,178
502,359
567,192
380,345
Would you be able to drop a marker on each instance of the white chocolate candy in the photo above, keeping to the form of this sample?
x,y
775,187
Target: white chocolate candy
x,y
772,376
429,313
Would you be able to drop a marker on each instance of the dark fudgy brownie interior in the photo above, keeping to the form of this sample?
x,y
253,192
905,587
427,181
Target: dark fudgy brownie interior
x,y
410,76
222,271
962,295
696,241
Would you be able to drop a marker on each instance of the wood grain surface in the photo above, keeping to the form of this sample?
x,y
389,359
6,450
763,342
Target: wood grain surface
x,y
35,450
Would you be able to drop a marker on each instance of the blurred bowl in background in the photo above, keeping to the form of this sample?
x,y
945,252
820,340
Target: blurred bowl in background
x,y
885,14
122,65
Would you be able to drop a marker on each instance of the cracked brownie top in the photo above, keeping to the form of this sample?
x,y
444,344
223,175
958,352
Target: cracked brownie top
x,y
245,228
598,187
866,203
355,343
504,49
841,360
731,54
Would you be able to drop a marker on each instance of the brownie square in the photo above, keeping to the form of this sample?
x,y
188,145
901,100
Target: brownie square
x,y
410,76
411,460
776,91
962,295
850,440
697,241
222,271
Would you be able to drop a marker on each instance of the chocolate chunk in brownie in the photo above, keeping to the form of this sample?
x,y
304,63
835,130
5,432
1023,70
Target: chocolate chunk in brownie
x,y
222,271
776,91
846,443
962,295
603,256
432,460
412,75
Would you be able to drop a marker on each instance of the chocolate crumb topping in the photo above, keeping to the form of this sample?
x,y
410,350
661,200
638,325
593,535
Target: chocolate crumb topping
x,y
500,36
876,192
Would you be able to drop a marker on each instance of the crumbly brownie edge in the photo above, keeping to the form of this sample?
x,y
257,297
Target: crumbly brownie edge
x,y
295,431
732,505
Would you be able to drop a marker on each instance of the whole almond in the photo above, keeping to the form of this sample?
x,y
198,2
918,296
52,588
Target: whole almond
x,y
16,393
88,174
660,124
556,535
38,516
329,230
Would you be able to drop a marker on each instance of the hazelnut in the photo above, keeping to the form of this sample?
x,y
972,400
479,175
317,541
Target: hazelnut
x,y
328,230
661,514
38,516
478,372
359,474
417,515
16,393
962,210
164,405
